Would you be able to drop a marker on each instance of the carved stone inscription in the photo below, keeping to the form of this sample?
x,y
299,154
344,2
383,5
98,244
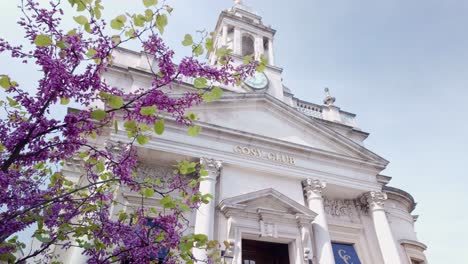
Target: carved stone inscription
x,y
261,154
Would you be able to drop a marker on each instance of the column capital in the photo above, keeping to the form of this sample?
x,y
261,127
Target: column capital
x,y
375,200
211,165
313,186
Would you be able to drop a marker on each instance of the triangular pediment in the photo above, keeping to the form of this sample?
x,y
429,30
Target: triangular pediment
x,y
263,115
267,200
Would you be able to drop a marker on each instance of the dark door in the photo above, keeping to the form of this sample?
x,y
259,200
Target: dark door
x,y
259,252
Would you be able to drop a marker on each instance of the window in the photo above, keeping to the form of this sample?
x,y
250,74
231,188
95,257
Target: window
x,y
247,45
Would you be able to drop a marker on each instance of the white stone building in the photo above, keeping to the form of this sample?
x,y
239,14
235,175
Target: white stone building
x,y
292,180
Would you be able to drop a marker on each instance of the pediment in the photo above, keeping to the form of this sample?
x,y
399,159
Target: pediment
x,y
263,115
268,201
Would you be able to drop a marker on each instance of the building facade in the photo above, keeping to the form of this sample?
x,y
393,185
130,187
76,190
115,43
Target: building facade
x,y
292,180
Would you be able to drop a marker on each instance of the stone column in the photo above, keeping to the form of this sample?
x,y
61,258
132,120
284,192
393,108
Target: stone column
x,y
204,222
237,41
313,191
271,56
225,33
304,224
259,49
382,227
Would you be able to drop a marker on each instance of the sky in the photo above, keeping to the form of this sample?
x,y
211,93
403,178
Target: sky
x,y
401,66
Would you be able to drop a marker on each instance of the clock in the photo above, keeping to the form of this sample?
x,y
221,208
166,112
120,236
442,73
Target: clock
x,y
257,81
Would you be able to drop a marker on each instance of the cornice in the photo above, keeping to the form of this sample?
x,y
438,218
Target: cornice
x,y
400,196
414,243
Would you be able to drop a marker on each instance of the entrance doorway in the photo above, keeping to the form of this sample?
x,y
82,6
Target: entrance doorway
x,y
259,252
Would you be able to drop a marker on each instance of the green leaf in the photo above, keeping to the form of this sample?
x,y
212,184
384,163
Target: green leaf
x,y
142,139
149,3
61,44
149,14
81,6
116,126
193,183
209,44
161,22
42,41
130,33
263,64
221,52
98,114
159,127
12,102
169,9
97,12
198,50
184,208
148,192
105,95
81,20
115,101
5,81
91,52
148,110
118,22
200,83
41,238
192,116
188,40
139,20
64,100
193,131
214,94
100,167
115,40
130,125
248,59
167,202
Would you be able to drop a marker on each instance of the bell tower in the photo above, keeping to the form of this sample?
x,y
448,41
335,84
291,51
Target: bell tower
x,y
241,29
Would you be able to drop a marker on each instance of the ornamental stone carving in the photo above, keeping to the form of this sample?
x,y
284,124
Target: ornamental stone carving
x,y
338,208
375,200
211,165
116,147
313,188
164,173
361,205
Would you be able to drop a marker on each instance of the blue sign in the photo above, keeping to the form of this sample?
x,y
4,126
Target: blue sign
x,y
345,254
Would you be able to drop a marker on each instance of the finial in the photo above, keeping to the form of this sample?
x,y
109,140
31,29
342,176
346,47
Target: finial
x,y
329,100
238,2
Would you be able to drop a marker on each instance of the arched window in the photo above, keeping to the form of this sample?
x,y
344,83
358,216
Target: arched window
x,y
247,45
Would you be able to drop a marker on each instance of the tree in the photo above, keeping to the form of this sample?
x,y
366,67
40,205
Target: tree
x,y
34,146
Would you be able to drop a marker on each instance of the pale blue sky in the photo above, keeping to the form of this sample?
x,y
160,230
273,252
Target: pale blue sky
x,y
401,66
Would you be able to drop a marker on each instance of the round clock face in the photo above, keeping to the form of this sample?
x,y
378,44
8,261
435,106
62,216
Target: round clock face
x,y
258,81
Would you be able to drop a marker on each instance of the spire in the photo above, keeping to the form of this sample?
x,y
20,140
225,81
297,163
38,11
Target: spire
x,y
238,2
329,100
